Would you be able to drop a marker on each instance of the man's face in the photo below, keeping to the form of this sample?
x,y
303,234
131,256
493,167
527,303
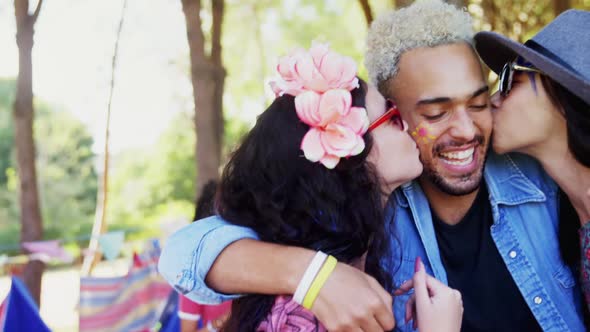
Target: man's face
x,y
441,93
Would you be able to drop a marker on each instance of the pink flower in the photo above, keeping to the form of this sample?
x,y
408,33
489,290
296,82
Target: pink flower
x,y
317,109
322,69
319,69
321,81
341,138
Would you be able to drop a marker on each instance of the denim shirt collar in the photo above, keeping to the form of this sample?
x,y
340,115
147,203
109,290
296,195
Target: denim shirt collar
x,y
507,185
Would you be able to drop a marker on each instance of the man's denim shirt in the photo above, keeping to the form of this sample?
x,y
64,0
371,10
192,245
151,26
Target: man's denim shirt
x,y
524,207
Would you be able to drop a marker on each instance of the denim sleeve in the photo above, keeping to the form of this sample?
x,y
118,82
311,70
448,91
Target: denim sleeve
x,y
189,254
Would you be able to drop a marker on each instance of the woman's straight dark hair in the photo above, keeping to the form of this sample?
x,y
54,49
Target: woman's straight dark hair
x,y
270,187
577,117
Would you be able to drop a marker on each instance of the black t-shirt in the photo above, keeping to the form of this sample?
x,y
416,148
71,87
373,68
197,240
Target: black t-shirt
x,y
491,299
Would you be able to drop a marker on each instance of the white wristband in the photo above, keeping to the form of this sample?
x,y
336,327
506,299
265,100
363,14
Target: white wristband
x,y
312,270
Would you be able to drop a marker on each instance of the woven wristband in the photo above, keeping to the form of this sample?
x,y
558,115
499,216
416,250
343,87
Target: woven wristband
x,y
319,282
312,270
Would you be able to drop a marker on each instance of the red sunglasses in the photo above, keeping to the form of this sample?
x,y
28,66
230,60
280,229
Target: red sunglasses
x,y
391,114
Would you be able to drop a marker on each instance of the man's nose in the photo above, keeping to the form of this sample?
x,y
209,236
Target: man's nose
x,y
463,127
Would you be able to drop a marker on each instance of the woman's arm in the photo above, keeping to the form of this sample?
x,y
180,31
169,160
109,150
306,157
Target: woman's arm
x,y
349,300
232,262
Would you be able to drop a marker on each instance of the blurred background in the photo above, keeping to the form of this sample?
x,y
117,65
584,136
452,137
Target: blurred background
x,y
115,113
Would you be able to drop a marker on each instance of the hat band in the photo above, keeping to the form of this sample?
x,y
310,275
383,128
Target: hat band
x,y
547,53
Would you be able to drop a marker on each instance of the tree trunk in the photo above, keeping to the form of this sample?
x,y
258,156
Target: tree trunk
x,y
30,211
218,8
405,3
458,3
559,6
367,11
207,76
401,3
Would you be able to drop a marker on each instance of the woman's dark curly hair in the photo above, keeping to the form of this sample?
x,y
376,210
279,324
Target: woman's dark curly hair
x,y
270,187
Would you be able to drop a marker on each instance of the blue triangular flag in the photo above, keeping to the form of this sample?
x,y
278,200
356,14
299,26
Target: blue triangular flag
x,y
21,313
111,244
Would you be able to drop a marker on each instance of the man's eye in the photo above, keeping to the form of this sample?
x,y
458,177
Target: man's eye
x,y
434,117
479,107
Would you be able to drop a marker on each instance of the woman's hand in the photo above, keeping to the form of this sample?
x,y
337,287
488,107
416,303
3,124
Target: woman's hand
x,y
351,300
434,306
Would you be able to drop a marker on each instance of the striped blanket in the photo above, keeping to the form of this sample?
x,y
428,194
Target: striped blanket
x,y
129,303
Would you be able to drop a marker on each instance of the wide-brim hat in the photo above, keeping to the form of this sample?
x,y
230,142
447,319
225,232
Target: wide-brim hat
x,y
561,50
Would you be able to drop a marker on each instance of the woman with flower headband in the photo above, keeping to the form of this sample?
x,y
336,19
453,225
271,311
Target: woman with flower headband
x,y
542,109
315,172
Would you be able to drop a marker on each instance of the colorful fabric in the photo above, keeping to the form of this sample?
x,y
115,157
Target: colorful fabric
x,y
288,316
47,250
19,312
203,313
585,264
133,302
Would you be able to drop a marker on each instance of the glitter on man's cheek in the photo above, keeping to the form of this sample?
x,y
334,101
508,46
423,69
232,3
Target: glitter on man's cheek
x,y
423,133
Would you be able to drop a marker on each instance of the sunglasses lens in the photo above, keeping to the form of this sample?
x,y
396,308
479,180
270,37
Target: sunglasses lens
x,y
505,80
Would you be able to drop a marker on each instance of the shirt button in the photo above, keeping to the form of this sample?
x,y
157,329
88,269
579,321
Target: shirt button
x,y
512,254
538,300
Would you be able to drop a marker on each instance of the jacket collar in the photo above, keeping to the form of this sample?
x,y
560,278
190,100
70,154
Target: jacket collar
x,y
506,182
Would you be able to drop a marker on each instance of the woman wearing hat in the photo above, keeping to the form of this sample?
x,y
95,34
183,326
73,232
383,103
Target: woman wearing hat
x,y
542,109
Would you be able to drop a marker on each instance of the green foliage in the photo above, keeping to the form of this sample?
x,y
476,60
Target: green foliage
x,y
156,185
67,179
144,183
272,28
65,171
7,90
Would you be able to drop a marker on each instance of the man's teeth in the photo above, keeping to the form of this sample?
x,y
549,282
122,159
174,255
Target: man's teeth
x,y
459,158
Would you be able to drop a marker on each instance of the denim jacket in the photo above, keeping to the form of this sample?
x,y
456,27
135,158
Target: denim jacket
x,y
524,207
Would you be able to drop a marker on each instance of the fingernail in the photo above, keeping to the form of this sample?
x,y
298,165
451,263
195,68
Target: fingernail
x,y
417,264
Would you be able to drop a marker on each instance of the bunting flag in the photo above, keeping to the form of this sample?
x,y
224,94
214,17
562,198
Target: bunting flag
x,y
111,244
3,260
19,312
133,302
47,250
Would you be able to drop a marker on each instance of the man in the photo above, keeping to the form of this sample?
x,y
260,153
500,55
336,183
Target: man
x,y
483,224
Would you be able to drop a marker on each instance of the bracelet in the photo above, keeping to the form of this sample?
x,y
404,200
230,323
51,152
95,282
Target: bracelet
x,y
319,282
312,270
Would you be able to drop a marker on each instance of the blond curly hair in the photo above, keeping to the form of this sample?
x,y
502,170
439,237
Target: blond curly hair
x,y
426,23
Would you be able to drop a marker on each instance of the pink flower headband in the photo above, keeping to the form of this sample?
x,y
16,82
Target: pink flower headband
x,y
321,81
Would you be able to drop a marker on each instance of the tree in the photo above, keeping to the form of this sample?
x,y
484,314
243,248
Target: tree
x,y
207,76
559,6
31,223
401,3
458,3
65,166
366,6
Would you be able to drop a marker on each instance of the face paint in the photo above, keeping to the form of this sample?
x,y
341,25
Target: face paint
x,y
423,133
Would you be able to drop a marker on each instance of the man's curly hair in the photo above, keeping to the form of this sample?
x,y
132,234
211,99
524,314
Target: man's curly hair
x,y
426,23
